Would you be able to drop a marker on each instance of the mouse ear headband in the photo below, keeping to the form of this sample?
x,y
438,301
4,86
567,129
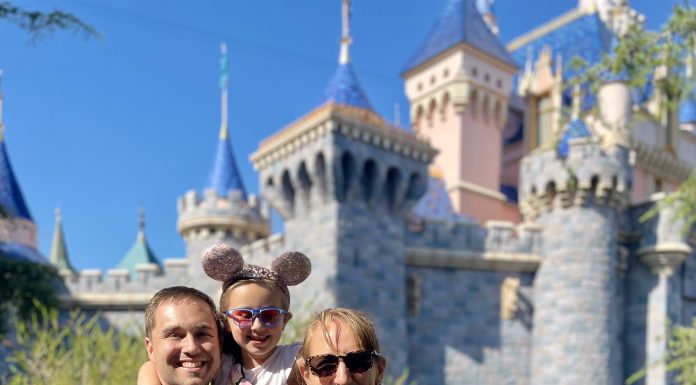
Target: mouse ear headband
x,y
223,263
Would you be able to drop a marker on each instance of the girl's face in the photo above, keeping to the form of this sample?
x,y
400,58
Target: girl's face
x,y
257,342
345,342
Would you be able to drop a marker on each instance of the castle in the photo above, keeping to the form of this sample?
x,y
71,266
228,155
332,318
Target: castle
x,y
493,243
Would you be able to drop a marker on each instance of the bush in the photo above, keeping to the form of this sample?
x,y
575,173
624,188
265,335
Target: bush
x,y
79,351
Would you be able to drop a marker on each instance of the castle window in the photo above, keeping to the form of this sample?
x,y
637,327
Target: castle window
x,y
487,77
659,186
544,123
432,80
413,294
474,72
499,83
420,86
445,73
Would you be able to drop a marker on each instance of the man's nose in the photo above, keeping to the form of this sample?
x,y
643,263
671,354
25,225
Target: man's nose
x,y
191,345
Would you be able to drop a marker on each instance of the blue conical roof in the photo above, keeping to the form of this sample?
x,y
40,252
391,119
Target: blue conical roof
x,y
11,198
461,22
576,128
225,175
344,88
435,204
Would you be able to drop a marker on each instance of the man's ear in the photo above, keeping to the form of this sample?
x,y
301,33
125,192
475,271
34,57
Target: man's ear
x,y
149,348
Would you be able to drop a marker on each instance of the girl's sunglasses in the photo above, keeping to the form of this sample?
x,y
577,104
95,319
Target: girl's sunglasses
x,y
269,316
326,364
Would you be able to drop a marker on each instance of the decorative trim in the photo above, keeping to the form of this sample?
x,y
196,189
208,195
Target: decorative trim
x,y
477,189
542,30
132,301
660,162
354,123
472,260
467,49
663,258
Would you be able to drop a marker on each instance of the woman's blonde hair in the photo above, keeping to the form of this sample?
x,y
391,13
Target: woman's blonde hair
x,y
357,321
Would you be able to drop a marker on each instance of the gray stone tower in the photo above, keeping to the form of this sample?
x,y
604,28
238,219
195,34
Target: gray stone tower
x,y
223,213
576,192
343,180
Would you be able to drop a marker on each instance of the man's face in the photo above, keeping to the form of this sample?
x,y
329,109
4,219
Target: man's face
x,y
184,343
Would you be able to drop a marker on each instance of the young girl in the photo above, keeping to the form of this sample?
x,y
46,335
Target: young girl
x,y
255,301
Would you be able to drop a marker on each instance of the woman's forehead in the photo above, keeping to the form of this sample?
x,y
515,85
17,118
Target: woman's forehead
x,y
334,337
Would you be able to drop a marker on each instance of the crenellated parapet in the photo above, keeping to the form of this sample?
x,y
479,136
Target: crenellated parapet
x,y
590,174
345,154
118,288
498,245
209,215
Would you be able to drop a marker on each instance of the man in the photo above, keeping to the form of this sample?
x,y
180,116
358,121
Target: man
x,y
183,331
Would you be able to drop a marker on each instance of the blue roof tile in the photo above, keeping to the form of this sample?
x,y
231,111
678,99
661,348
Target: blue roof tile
x,y
576,128
344,88
11,198
436,204
225,175
461,22
18,252
584,37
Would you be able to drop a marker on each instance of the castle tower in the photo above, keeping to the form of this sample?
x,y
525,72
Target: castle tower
x,y
576,192
458,84
223,213
59,250
343,180
140,253
17,227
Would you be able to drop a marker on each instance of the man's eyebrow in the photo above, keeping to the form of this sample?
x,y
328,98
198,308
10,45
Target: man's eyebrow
x,y
199,326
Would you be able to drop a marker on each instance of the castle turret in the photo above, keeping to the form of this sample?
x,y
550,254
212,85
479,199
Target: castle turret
x,y
17,226
59,250
140,253
223,212
576,196
458,84
343,179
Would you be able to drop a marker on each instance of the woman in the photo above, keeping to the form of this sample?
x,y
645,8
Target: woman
x,y
341,347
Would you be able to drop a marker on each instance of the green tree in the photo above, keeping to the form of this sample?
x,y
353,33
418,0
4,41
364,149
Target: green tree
x,y
24,288
79,351
640,54
40,24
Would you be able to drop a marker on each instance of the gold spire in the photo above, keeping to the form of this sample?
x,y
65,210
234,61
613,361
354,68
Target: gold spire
x,y
224,134
346,40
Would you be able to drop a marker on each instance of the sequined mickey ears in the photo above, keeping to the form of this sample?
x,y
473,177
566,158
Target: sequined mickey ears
x,y
224,263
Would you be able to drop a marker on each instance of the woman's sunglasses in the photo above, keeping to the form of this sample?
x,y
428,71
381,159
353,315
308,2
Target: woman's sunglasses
x,y
326,364
269,316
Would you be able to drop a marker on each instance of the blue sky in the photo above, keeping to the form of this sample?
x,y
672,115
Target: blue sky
x,y
103,126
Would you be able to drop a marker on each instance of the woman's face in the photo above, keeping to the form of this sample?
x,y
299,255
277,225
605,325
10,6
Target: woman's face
x,y
345,342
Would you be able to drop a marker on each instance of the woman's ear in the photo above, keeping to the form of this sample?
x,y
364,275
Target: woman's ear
x,y
381,366
304,372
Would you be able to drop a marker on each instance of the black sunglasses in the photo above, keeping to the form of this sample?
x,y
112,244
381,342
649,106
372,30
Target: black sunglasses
x,y
326,364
